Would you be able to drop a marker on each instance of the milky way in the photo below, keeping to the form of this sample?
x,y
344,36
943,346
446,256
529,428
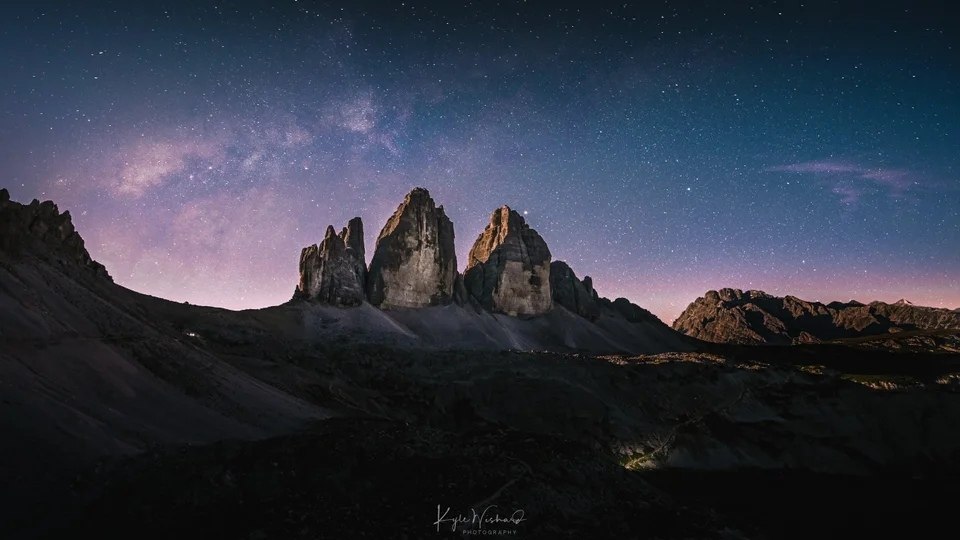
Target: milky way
x,y
662,150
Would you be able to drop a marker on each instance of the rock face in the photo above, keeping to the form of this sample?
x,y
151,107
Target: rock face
x,y
755,317
571,293
508,270
415,262
40,230
335,271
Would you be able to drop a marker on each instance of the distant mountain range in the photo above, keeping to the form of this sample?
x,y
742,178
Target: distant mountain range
x,y
511,295
755,317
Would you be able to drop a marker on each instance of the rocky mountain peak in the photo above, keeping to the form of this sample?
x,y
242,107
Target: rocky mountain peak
x,y
41,230
508,268
415,261
334,271
504,222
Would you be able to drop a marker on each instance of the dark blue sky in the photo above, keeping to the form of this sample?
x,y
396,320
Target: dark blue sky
x,y
662,149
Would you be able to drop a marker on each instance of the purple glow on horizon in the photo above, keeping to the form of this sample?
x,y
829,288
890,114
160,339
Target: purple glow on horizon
x,y
199,149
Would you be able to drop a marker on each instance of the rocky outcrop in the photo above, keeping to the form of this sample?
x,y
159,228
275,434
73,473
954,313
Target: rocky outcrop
x,y
40,230
334,272
755,317
415,262
508,270
575,295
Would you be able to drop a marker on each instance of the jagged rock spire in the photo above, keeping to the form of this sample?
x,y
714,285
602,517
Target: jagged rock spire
x,y
334,272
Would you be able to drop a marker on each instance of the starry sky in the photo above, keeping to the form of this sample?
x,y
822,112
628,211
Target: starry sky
x,y
662,148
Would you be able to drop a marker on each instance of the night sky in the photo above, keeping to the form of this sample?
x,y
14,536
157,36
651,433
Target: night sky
x,y
662,149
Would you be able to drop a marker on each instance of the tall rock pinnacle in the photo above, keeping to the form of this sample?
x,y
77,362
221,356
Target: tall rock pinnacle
x,y
508,270
415,262
334,272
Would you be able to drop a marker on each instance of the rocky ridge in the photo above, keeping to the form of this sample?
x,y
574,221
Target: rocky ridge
x,y
755,317
39,229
